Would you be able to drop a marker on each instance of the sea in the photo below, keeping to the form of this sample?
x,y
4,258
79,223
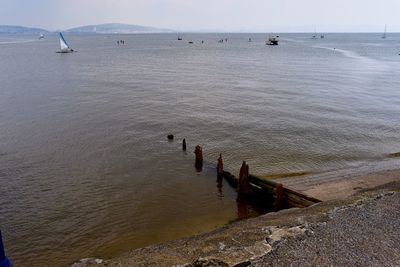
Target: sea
x,y
86,169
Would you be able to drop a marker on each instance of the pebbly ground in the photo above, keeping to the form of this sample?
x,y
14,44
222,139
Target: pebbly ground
x,y
366,233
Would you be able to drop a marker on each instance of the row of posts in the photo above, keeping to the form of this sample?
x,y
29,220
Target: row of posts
x,y
243,186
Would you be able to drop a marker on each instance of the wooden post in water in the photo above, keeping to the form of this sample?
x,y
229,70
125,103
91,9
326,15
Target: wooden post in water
x,y
220,167
243,184
220,170
199,158
184,144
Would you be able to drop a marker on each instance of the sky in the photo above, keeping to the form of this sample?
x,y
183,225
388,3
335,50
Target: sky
x,y
209,15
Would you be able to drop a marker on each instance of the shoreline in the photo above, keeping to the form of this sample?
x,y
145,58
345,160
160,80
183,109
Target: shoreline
x,y
331,186
247,240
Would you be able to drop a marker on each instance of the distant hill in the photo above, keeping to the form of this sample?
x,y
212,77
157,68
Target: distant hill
x,y
117,28
20,29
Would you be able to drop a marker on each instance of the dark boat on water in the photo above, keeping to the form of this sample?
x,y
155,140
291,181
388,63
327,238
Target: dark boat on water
x,y
273,40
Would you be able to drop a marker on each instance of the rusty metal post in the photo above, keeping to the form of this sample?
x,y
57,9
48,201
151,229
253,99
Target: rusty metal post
x,y
243,184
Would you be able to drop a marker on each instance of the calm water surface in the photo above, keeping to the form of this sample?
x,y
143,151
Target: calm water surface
x,y
85,167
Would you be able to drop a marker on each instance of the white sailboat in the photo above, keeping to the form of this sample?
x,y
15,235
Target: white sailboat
x,y
384,33
65,48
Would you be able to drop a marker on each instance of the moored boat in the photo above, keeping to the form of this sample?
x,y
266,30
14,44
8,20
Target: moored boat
x,y
273,40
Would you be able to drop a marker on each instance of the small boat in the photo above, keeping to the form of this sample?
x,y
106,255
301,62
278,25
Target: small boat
x,y
190,42
384,33
65,48
273,40
41,36
179,35
314,36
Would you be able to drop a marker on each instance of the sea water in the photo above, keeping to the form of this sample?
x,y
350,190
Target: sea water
x,y
85,165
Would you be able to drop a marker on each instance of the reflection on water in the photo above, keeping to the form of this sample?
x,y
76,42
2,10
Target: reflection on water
x,y
246,209
85,165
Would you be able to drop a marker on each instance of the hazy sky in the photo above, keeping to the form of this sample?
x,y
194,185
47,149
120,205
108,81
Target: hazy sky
x,y
224,15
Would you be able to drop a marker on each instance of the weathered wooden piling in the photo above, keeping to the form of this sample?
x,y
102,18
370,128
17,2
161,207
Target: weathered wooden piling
x,y
271,194
220,167
184,144
199,158
199,153
243,184
290,198
220,171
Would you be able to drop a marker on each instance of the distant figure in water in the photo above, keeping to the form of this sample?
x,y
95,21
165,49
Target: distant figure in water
x,y
226,40
202,41
249,40
117,42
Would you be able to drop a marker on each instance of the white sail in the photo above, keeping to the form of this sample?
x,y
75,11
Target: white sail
x,y
63,43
